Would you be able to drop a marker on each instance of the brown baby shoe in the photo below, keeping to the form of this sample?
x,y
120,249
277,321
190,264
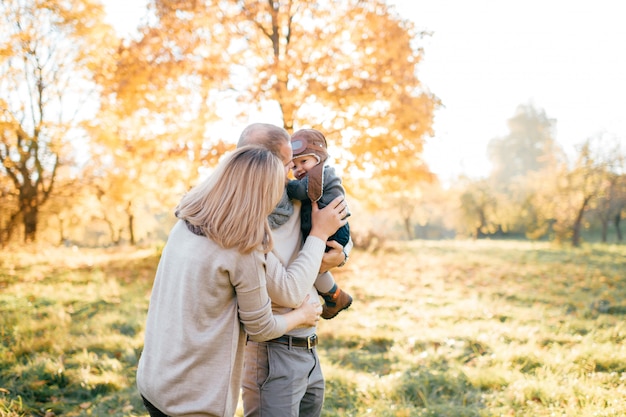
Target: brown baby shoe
x,y
334,303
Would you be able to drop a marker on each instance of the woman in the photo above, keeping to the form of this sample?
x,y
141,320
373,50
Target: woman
x,y
210,287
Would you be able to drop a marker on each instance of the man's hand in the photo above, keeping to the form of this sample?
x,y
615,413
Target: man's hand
x,y
334,257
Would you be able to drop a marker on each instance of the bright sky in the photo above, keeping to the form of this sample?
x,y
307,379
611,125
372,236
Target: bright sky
x,y
486,57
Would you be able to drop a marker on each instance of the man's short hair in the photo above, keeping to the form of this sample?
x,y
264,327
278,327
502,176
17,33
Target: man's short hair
x,y
267,135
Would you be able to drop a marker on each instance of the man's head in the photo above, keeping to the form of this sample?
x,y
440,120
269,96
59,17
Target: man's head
x,y
274,138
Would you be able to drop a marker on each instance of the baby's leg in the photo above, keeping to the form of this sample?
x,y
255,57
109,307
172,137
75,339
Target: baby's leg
x,y
335,300
324,282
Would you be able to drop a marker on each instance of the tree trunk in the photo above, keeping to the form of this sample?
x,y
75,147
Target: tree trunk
x,y
131,223
578,223
7,232
576,230
131,228
616,221
480,230
30,213
605,229
62,239
115,240
408,228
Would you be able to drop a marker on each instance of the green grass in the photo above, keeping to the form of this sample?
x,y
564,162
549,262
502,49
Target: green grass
x,y
482,328
71,331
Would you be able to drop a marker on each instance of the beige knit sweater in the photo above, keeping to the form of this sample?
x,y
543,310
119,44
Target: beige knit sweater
x,y
203,299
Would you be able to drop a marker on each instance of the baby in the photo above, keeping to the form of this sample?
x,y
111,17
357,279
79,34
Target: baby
x,y
318,182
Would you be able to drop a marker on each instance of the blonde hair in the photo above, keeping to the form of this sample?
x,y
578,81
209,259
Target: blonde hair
x,y
231,206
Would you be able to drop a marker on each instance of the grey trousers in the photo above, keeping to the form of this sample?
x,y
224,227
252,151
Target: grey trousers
x,y
281,381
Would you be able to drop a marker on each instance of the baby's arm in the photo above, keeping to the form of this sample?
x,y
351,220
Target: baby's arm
x,y
296,189
332,187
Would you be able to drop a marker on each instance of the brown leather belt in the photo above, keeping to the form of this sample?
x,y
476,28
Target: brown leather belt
x,y
307,342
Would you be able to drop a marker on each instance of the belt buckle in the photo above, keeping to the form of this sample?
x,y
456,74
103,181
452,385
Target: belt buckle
x,y
310,341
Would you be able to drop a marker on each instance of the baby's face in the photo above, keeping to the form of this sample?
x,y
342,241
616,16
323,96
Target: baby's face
x,y
302,165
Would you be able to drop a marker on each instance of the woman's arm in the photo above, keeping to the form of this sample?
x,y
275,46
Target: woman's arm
x,y
254,305
287,286
307,315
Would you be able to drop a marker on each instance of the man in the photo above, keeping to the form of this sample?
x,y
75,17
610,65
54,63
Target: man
x,y
283,377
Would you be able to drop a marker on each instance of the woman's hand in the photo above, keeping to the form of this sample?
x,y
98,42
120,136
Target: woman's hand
x,y
307,315
309,312
326,221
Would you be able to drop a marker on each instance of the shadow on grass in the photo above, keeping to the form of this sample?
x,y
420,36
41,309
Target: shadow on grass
x,y
434,390
360,354
42,393
403,388
74,353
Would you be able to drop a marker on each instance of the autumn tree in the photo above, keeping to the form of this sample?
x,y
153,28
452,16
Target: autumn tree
x,y
609,164
153,131
477,209
346,68
621,211
48,50
8,209
580,188
541,202
427,210
65,216
528,147
611,203
406,203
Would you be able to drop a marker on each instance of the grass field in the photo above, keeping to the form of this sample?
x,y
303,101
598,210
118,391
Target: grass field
x,y
475,328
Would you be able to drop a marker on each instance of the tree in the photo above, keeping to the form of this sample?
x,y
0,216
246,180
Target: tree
x,y
517,159
610,197
529,146
477,208
8,209
621,196
153,130
347,68
542,205
47,53
582,187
